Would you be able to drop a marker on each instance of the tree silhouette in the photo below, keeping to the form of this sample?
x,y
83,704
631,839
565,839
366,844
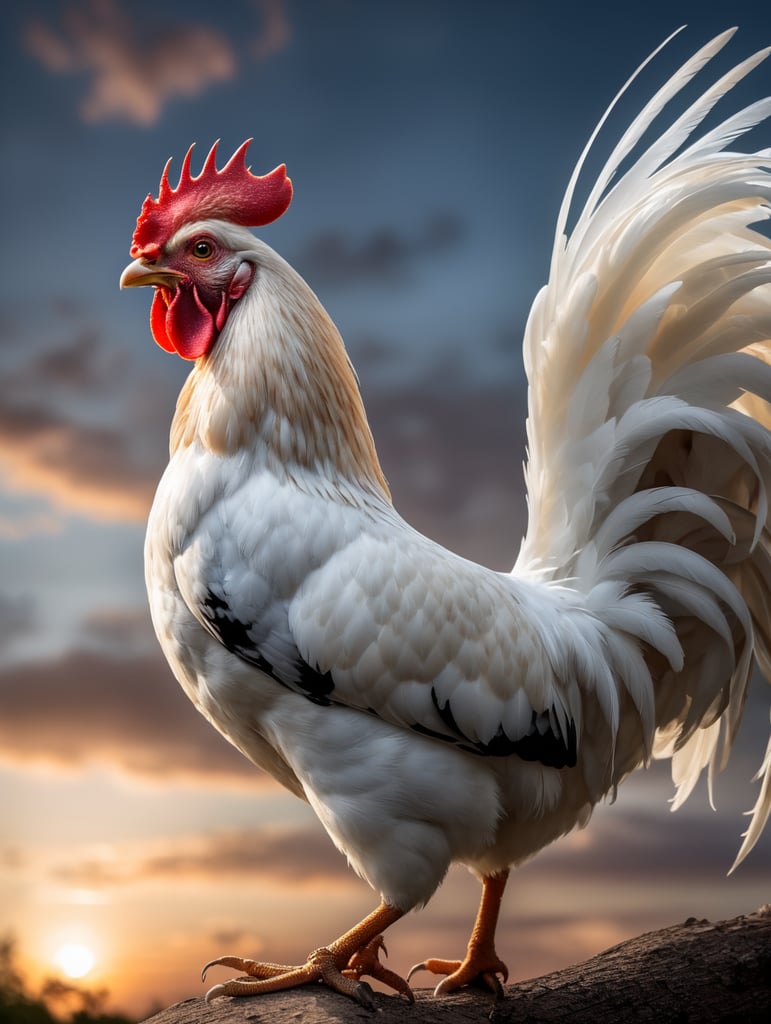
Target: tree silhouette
x,y
57,1002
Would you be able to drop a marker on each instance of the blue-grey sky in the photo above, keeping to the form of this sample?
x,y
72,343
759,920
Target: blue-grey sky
x,y
429,144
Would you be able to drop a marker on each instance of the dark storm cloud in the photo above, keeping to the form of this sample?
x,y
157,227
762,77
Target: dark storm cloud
x,y
385,256
289,855
128,713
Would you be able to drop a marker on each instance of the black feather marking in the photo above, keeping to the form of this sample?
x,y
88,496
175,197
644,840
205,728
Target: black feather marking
x,y
445,713
425,731
234,635
317,685
550,748
231,632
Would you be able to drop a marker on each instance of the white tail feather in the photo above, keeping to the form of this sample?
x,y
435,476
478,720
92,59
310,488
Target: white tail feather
x,y
648,357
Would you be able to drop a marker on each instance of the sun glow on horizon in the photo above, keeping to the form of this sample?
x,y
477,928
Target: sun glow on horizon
x,y
75,960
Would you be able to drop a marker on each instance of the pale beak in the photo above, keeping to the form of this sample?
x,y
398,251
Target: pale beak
x,y
140,273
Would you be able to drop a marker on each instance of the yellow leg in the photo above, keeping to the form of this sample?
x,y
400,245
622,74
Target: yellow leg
x,y
481,962
339,965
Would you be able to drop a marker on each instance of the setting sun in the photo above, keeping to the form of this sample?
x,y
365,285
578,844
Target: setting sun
x,y
75,960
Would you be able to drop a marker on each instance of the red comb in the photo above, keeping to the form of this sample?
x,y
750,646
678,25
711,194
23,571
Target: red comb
x,y
233,194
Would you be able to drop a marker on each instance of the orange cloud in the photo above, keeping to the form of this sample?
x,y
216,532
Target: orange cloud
x,y
80,468
131,76
129,713
134,70
52,444
284,855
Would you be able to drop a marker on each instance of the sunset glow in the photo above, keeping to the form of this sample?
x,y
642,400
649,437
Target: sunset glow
x,y
75,960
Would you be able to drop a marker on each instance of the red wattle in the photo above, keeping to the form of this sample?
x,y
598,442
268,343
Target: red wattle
x,y
185,325
158,322
189,323
222,312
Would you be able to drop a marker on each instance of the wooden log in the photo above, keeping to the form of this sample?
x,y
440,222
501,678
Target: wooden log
x,y
692,973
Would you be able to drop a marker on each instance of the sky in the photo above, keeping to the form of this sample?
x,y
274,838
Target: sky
x,y
429,144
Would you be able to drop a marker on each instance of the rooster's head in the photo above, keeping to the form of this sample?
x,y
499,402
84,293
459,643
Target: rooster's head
x,y
179,249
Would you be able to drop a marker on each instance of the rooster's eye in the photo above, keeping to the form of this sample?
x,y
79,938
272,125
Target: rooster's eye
x,y
203,249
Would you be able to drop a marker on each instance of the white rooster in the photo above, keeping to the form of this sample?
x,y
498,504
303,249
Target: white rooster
x,y
429,709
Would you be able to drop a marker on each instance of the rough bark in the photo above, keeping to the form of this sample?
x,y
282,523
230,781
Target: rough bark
x,y
696,972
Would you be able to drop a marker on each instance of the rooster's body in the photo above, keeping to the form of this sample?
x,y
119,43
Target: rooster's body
x,y
429,709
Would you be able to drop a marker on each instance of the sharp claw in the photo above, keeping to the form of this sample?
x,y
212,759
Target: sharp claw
x,y
415,969
493,982
489,978
364,995
214,991
224,961
405,991
339,966
458,974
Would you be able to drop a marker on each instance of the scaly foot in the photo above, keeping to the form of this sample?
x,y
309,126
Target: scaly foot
x,y
478,967
320,966
481,963
367,961
339,966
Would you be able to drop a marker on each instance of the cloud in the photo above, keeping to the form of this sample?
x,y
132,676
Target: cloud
x,y
65,417
17,618
284,855
644,846
19,528
127,713
276,31
135,69
119,632
86,469
67,433
81,366
443,451
555,915
385,256
132,74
